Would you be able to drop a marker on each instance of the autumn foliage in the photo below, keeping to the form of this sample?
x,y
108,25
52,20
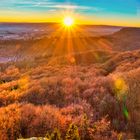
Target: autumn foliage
x,y
72,102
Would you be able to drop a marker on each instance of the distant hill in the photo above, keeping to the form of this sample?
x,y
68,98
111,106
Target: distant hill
x,y
85,49
126,39
123,61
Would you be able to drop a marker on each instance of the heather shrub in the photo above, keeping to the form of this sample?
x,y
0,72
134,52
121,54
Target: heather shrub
x,y
132,79
97,90
102,130
34,94
10,118
11,73
125,101
55,135
55,97
37,120
75,110
72,133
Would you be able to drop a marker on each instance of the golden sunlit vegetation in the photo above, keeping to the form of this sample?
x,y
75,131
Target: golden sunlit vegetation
x,y
47,97
87,95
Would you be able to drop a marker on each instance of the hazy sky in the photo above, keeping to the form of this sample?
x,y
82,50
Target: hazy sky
x,y
114,12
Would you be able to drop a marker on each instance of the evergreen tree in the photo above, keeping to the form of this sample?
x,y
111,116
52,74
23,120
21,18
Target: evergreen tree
x,y
72,133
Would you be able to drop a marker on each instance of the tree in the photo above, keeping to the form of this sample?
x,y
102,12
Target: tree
x,y
72,133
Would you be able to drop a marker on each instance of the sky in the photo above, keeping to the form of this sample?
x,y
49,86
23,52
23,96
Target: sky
x,y
98,12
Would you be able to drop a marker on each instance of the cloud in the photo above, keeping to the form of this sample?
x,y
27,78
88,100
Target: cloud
x,y
43,4
65,6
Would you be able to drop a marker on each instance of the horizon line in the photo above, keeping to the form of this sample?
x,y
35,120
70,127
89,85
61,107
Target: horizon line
x,y
57,23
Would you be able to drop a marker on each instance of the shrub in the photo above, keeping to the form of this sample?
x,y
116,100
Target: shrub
x,y
72,133
10,118
55,135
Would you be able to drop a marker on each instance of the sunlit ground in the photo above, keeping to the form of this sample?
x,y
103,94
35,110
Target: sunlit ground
x,y
70,40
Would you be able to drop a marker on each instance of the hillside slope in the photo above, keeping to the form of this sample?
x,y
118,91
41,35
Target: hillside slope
x,y
126,39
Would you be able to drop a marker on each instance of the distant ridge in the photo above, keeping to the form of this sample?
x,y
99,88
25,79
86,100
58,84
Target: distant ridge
x,y
126,39
129,31
54,23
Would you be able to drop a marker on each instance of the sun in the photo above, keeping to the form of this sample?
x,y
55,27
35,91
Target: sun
x,y
68,21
